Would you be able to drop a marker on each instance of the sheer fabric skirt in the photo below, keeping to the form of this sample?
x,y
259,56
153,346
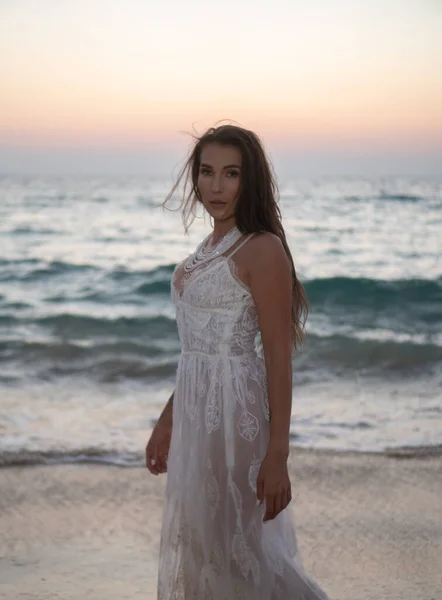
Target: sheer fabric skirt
x,y
214,545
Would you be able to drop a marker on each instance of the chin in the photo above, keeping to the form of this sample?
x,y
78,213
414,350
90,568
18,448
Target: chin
x,y
225,211
221,213
217,213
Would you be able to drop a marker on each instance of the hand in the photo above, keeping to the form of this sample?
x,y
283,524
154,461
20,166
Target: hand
x,y
157,448
273,484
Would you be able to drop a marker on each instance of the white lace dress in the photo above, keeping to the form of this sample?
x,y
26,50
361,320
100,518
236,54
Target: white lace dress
x,y
214,545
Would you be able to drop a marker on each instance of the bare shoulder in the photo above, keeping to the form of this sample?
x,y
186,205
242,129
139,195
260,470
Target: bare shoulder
x,y
265,251
270,282
266,242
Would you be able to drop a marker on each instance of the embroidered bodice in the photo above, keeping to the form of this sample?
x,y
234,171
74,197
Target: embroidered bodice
x,y
216,313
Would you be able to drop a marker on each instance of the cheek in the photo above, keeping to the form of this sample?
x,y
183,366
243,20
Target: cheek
x,y
202,186
234,186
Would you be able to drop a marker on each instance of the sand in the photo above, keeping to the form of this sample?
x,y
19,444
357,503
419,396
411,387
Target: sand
x,y
369,527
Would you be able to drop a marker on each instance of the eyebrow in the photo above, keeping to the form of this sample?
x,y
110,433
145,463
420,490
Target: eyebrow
x,y
226,167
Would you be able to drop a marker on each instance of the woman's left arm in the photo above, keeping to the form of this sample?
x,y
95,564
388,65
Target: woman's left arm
x,y
270,280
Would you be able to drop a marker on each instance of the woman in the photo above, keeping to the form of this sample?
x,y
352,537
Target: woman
x,y
223,437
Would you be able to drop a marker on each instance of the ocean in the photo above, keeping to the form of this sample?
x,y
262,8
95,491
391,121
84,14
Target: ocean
x,y
88,338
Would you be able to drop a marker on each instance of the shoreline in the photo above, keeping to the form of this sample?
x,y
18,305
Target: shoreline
x,y
9,459
368,527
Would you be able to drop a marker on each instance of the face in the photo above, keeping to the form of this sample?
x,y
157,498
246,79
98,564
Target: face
x,y
219,179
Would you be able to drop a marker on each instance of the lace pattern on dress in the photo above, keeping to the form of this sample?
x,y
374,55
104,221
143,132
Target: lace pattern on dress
x,y
214,544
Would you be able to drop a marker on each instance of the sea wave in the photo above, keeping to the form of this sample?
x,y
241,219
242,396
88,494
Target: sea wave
x,y
80,326
340,352
402,197
156,358
387,197
34,270
355,323
329,291
422,294
20,458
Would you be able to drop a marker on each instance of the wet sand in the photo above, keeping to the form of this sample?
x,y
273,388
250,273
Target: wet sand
x,y
369,527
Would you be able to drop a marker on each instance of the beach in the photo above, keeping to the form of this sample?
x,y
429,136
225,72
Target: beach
x,y
89,350
369,527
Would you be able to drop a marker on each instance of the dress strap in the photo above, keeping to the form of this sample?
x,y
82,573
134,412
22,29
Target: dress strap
x,y
247,238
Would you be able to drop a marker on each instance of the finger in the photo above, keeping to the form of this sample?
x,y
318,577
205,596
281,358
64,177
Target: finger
x,y
156,458
270,507
277,505
149,465
154,467
260,490
289,495
164,455
162,463
152,460
165,464
284,500
148,456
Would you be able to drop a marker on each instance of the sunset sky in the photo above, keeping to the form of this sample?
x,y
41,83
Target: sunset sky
x,y
330,85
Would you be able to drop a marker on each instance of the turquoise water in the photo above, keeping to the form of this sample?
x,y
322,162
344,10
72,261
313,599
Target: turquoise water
x,y
88,340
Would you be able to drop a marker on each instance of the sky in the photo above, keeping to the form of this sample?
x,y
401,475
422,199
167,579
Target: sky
x,y
114,87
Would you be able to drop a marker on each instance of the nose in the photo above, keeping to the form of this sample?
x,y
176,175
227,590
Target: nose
x,y
216,184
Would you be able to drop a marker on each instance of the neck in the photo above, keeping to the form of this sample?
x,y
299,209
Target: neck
x,y
220,228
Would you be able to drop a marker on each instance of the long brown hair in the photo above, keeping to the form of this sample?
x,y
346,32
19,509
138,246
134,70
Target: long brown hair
x,y
256,209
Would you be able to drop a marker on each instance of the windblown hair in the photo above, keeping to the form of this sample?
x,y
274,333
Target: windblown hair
x,y
256,209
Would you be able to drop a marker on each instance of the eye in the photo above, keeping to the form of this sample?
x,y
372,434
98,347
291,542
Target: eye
x,y
233,173
204,171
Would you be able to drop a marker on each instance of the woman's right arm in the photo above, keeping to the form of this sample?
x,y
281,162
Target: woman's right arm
x,y
157,449
168,409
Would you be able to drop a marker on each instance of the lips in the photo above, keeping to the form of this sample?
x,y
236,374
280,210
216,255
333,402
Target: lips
x,y
214,203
